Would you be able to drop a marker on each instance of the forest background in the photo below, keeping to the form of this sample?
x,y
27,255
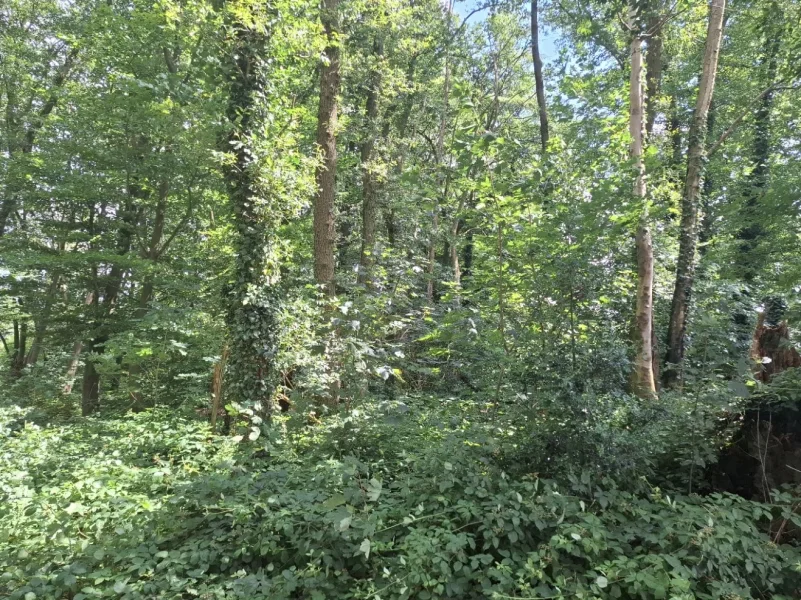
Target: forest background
x,y
400,299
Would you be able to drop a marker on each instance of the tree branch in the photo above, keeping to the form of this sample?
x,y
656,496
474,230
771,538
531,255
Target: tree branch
x,y
736,123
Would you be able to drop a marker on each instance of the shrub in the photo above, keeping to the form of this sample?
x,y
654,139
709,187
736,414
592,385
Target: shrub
x,y
151,506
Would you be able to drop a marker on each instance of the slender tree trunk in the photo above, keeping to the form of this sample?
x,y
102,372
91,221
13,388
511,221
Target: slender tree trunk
x,y
20,347
90,391
443,122
707,218
105,308
643,383
538,82
40,324
653,70
685,270
324,202
75,356
369,184
72,367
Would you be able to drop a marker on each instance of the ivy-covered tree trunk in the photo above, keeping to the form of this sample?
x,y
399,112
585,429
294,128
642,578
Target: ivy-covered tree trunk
x,y
324,201
643,383
688,241
253,297
751,234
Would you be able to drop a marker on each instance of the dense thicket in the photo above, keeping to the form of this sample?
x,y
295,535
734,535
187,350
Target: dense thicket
x,y
482,299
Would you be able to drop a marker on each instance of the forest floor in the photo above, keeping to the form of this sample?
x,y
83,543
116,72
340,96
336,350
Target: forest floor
x,y
426,498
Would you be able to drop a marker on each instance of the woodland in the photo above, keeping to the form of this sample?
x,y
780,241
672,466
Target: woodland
x,y
400,299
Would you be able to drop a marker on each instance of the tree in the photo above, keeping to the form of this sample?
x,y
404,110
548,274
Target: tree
x,y
253,298
692,187
324,201
540,86
643,381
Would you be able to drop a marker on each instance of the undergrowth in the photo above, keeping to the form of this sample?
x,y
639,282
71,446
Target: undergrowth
x,y
395,502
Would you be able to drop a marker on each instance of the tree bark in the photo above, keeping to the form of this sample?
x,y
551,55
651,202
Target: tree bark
x,y
324,201
369,184
653,70
90,390
643,382
538,81
688,241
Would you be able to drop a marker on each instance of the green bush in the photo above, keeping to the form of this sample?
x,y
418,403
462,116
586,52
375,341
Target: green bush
x,y
151,506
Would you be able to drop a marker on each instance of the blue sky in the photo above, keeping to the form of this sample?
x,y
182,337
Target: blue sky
x,y
548,50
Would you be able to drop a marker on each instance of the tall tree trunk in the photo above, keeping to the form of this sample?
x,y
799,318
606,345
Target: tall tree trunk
x,y
643,383
750,235
653,70
440,158
707,218
538,82
324,224
253,299
689,205
369,184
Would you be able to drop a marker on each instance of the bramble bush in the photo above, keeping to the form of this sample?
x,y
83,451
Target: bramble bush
x,y
154,506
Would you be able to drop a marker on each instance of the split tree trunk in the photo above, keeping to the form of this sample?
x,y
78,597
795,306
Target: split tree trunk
x,y
643,383
688,241
538,81
324,223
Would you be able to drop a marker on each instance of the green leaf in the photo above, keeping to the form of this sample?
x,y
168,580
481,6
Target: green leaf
x,y
364,548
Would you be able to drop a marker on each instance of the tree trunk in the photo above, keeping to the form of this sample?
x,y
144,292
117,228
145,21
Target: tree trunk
x,y
90,391
253,299
643,383
440,157
324,224
20,348
105,307
689,206
369,186
72,368
538,82
40,323
751,234
653,70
